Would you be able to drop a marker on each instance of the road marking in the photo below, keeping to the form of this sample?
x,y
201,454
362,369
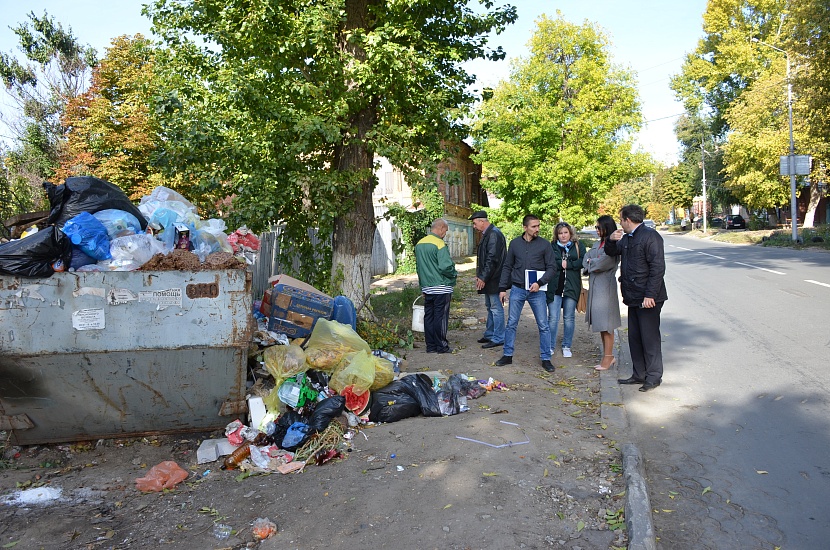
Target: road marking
x,y
681,248
816,283
761,268
712,255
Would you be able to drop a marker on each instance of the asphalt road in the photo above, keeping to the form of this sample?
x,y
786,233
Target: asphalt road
x,y
737,439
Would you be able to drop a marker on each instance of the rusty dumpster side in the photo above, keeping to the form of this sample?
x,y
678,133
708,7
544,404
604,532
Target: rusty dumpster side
x,y
90,355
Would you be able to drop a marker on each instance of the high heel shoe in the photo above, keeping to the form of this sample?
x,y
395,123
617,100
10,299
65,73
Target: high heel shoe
x,y
611,364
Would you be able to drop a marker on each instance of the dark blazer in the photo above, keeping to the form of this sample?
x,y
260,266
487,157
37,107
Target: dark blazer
x,y
642,267
490,259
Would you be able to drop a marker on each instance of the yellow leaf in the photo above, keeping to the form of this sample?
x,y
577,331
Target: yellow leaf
x,y
546,473
447,506
489,474
706,490
761,472
668,511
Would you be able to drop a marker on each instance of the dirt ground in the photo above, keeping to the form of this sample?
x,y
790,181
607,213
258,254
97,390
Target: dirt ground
x,y
537,469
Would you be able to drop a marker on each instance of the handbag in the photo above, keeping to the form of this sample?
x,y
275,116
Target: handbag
x,y
582,303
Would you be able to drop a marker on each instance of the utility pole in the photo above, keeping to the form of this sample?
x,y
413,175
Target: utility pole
x,y
791,159
703,166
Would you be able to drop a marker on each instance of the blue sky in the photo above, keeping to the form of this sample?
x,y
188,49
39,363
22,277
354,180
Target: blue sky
x,y
649,37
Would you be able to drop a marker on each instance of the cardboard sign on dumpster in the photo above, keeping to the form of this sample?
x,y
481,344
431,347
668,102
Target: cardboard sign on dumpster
x,y
294,306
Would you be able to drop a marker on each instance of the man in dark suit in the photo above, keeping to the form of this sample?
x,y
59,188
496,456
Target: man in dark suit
x,y
642,269
492,250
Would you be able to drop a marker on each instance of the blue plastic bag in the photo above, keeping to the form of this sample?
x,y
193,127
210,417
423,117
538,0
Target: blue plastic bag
x,y
88,234
296,435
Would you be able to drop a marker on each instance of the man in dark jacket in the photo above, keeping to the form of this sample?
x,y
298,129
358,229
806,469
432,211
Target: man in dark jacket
x,y
436,275
491,252
642,269
527,255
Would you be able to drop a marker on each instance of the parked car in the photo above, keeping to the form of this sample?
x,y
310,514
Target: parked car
x,y
650,224
710,222
734,221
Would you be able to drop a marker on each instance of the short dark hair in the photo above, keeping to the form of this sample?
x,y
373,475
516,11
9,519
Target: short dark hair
x,y
606,225
527,219
633,213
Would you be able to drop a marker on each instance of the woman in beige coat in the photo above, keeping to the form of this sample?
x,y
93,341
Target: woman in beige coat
x,y
603,311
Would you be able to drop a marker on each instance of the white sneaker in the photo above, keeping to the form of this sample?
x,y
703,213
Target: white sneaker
x,y
566,352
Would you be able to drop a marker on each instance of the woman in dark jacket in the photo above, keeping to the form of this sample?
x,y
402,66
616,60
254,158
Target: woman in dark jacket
x,y
603,312
565,285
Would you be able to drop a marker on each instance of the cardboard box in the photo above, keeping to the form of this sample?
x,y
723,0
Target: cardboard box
x,y
293,306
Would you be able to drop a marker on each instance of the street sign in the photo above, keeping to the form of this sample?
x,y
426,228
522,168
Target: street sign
x,y
801,163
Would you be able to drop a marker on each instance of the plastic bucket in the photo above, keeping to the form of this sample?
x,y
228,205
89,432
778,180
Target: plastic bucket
x,y
417,316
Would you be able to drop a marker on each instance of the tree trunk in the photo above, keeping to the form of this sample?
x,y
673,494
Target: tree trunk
x,y
812,206
354,231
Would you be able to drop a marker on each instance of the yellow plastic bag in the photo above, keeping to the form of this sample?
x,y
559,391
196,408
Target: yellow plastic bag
x,y
329,342
384,373
358,371
284,361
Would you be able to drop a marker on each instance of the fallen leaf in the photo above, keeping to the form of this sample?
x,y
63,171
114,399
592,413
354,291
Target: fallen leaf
x,y
706,490
668,511
546,473
552,457
11,544
489,474
761,472
580,526
447,506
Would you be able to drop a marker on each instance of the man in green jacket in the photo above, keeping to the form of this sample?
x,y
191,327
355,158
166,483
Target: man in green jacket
x,y
436,275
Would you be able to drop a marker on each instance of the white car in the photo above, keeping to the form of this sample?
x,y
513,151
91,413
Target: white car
x,y
650,224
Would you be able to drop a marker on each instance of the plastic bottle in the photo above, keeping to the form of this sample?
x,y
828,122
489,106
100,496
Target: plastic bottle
x,y
235,458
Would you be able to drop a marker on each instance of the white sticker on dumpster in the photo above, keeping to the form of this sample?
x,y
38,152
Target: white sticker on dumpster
x,y
118,296
163,298
88,319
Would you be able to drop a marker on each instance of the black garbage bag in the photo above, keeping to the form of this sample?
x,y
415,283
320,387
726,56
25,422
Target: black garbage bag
x,y
284,422
420,388
36,255
326,411
87,194
393,402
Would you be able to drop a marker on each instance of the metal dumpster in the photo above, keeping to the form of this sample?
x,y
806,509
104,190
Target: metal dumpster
x,y
108,354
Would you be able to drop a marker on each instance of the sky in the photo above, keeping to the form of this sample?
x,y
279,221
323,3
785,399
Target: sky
x,y
649,37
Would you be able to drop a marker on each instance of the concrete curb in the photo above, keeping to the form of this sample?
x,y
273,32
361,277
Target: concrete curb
x,y
638,521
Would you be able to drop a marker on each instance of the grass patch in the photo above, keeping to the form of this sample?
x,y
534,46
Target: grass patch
x,y
740,237
811,237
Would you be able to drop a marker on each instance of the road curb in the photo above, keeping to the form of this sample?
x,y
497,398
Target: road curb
x,y
638,521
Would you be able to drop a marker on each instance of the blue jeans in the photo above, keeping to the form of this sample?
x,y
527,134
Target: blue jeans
x,y
558,304
494,330
538,304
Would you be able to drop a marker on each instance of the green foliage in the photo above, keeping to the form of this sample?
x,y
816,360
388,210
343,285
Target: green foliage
x,y
556,137
413,226
807,235
393,313
284,105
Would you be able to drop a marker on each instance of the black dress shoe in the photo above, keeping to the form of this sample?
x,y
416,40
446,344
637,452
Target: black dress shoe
x,y
489,345
505,360
483,340
648,387
547,365
631,380
448,350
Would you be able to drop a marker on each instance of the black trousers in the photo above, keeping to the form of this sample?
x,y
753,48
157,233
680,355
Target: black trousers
x,y
436,320
644,342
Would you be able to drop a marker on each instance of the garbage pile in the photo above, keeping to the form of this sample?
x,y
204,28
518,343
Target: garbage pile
x,y
327,387
93,226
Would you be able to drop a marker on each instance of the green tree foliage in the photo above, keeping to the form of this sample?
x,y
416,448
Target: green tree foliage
x,y
557,135
111,132
285,105
55,70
